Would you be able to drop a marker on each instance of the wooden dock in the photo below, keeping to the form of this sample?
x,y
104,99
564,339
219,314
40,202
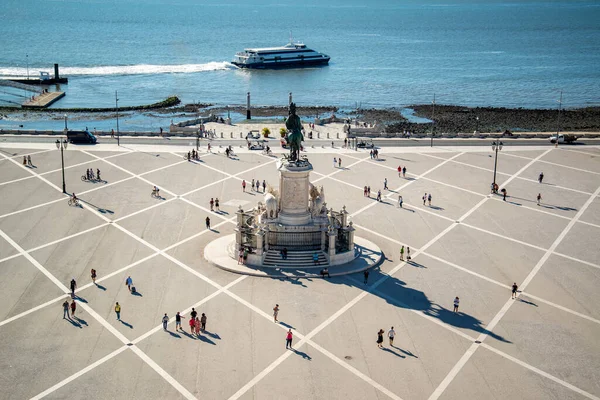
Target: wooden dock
x,y
43,100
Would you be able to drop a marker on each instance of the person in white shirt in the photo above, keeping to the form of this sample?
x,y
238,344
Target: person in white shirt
x,y
391,335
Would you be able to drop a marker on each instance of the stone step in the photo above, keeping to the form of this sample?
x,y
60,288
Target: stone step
x,y
294,259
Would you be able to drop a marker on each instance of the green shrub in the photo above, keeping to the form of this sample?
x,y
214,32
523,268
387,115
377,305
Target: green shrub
x,y
266,132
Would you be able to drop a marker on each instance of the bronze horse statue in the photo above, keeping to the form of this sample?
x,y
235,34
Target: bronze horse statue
x,y
294,137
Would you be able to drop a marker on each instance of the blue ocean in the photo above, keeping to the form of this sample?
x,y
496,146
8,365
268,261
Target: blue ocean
x,y
384,53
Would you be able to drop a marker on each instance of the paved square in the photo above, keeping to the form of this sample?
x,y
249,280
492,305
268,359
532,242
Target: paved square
x,y
467,243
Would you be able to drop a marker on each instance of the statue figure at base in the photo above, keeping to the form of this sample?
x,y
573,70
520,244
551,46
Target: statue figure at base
x,y
295,137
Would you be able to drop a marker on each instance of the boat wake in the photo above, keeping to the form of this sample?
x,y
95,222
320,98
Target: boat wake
x,y
140,69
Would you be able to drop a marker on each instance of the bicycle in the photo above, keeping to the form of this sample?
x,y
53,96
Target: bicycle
x,y
84,178
266,152
155,194
74,202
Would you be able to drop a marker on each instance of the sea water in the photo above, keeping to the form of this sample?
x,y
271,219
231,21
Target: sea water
x,y
384,53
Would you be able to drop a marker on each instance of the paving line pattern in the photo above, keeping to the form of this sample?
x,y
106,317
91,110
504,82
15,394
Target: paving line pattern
x,y
327,322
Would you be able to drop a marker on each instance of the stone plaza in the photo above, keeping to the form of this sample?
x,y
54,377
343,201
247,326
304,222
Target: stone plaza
x,y
545,344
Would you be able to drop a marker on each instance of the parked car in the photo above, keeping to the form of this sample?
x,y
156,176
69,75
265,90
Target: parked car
x,y
81,137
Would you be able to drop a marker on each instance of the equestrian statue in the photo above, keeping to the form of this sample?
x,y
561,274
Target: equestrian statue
x,y
294,137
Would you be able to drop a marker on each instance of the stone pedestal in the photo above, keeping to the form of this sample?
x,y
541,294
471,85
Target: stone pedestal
x,y
293,187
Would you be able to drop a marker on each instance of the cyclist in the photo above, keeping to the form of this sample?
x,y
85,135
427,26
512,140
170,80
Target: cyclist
x,y
74,199
155,191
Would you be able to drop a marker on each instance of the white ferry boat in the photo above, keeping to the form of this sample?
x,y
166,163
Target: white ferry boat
x,y
293,54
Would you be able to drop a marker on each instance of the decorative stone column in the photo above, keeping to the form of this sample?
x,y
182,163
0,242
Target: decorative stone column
x,y
344,214
260,237
350,230
332,233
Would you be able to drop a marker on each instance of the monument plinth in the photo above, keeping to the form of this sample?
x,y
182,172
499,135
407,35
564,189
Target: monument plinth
x,y
293,187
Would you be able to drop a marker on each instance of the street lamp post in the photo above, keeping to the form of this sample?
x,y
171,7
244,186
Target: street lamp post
x,y
66,128
558,118
27,61
432,120
477,125
62,146
117,107
496,146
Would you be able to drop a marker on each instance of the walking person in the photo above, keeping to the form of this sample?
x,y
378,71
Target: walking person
x,y
399,171
369,191
165,319
257,185
203,322
252,185
400,201
264,185
288,339
192,325
197,326
366,275
93,272
541,177
66,309
429,199
404,172
391,335
217,204
98,174
379,195
340,162
212,204
275,312
402,253
73,308
456,303
118,310
514,290
380,338
112,133
408,253
243,185
29,161
334,162
503,194
129,282
25,160
178,321
365,192
424,198
207,223
539,197
73,286
385,184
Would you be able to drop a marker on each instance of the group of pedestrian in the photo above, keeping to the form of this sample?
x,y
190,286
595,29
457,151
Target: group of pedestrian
x,y
89,174
27,161
374,153
367,191
192,155
214,204
243,255
401,171
337,162
408,258
391,335
427,198
255,184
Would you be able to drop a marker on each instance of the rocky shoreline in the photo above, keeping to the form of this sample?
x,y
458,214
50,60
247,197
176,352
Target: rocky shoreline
x,y
457,119
448,118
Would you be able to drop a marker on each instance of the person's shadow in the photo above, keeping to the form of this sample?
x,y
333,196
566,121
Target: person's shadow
x,y
126,324
205,339
392,352
303,354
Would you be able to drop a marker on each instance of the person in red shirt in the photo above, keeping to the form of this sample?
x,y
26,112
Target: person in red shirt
x,y
288,339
